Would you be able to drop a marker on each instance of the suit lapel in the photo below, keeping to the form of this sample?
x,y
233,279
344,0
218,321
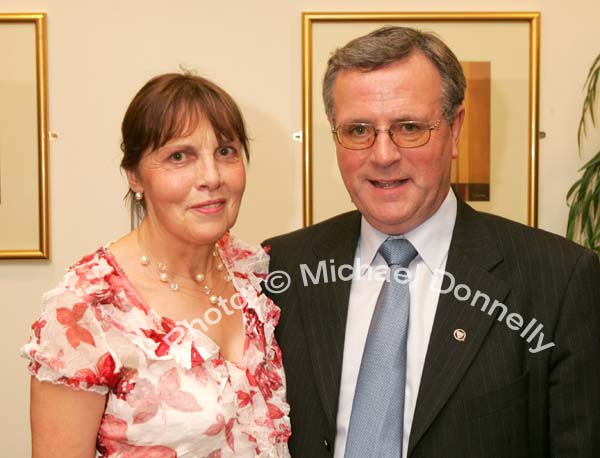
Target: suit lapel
x,y
325,312
471,257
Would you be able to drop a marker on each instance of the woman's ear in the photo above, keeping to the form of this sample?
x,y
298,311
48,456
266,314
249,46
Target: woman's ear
x,y
135,184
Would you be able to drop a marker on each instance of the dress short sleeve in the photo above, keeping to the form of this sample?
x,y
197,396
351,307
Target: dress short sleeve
x,y
68,343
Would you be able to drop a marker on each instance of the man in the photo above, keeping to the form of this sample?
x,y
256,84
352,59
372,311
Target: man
x,y
493,347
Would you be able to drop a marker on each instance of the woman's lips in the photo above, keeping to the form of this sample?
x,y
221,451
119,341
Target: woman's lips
x,y
210,207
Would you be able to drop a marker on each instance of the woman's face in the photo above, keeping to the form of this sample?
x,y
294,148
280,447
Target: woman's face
x,y
192,185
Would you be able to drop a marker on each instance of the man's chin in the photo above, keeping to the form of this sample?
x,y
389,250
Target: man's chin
x,y
391,224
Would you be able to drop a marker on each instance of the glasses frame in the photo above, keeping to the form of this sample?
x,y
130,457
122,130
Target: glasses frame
x,y
430,127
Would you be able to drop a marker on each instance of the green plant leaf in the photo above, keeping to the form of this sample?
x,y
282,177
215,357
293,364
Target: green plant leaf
x,y
589,107
583,197
593,162
572,221
573,190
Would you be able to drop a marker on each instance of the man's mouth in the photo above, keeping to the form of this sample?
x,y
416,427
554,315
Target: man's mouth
x,y
388,184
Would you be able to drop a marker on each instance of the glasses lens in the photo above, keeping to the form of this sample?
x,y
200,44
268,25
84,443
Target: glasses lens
x,y
410,134
356,136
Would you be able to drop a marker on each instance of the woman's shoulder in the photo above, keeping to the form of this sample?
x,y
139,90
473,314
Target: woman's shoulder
x,y
243,257
83,276
96,264
68,343
96,278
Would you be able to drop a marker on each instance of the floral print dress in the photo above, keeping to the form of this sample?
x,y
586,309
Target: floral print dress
x,y
170,393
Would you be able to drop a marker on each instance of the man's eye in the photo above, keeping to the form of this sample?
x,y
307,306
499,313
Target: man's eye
x,y
358,131
409,128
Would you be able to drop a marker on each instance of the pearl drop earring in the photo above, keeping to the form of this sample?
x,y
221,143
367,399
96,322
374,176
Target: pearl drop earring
x,y
138,196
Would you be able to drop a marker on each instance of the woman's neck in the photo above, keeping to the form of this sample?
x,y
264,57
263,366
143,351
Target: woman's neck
x,y
180,257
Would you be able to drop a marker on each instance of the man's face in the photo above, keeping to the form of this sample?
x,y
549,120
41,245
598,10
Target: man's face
x,y
396,189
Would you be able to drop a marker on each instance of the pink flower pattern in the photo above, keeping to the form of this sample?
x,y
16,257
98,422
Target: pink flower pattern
x,y
169,394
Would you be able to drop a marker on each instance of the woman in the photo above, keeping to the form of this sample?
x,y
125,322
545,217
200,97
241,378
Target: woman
x,y
161,344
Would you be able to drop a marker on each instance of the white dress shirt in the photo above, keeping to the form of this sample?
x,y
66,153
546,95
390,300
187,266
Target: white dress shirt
x,y
431,240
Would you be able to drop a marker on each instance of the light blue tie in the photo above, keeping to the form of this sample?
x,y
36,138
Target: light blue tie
x,y
377,419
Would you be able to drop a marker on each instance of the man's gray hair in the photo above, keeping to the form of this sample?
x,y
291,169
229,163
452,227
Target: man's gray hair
x,y
390,44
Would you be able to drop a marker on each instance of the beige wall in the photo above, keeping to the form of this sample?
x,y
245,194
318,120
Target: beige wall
x,y
101,52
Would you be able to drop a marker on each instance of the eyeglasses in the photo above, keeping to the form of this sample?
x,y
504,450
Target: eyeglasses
x,y
404,134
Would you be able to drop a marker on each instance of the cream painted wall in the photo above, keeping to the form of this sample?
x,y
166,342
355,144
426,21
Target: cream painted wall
x,y
100,53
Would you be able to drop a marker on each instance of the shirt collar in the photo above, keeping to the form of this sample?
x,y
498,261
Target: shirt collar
x,y
431,238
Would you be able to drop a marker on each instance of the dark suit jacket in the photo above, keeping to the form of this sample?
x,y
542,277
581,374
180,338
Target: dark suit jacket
x,y
485,397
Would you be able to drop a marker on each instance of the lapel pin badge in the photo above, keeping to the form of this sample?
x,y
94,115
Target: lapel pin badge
x,y
460,335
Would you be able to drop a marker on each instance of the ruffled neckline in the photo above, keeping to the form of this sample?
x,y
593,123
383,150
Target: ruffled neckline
x,y
246,264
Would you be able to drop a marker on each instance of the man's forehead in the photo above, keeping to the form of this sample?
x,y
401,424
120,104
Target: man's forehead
x,y
406,89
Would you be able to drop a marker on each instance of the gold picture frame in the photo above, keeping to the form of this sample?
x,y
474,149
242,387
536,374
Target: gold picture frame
x,y
514,90
24,206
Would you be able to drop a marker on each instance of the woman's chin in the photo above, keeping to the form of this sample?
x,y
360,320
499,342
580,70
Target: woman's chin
x,y
209,233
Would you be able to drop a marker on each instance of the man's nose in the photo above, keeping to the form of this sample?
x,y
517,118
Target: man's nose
x,y
384,150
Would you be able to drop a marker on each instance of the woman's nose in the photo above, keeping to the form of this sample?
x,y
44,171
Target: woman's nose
x,y
208,174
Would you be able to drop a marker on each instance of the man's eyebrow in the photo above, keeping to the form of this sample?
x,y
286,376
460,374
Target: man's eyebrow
x,y
357,121
405,118
401,118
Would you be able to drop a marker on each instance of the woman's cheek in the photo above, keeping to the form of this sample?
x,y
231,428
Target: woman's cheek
x,y
180,183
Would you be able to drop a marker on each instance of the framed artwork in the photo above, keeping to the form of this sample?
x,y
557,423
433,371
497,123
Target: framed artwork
x,y
24,218
496,170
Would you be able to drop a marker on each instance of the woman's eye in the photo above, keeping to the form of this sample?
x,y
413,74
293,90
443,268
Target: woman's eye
x,y
177,156
227,151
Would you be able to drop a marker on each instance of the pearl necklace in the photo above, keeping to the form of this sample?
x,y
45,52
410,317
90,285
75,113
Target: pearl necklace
x,y
165,277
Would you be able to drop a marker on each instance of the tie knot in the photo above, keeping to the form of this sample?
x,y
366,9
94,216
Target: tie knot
x,y
397,252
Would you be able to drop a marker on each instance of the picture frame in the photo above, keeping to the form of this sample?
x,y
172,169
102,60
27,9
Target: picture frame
x,y
24,198
507,43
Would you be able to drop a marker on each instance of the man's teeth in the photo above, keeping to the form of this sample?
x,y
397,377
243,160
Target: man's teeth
x,y
388,184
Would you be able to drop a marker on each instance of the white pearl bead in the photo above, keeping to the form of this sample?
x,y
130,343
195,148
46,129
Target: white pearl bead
x,y
164,277
174,286
206,290
227,277
220,267
162,267
145,260
200,278
213,299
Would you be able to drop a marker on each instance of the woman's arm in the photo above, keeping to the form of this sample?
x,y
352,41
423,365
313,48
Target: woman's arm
x,y
64,421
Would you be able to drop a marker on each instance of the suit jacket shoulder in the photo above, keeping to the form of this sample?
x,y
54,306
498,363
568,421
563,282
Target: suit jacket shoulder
x,y
324,239
517,248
